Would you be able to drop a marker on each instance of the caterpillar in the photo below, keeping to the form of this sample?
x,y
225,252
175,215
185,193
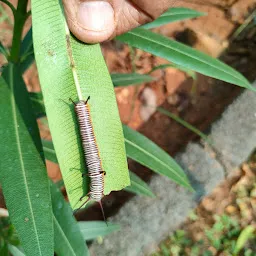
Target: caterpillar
x,y
91,153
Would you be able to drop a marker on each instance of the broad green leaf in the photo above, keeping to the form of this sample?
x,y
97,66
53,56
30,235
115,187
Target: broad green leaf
x,y
70,69
138,186
37,103
68,239
172,15
185,124
183,56
144,151
94,229
27,52
245,235
22,172
129,79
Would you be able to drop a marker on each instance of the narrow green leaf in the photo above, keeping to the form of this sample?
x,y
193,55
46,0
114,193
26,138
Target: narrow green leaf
x,y
129,79
189,72
37,103
144,151
70,69
27,52
172,15
185,124
183,56
138,186
49,151
15,251
94,229
22,171
245,235
68,239
4,51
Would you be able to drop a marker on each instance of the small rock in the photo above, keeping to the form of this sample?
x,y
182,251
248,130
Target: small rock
x,y
149,105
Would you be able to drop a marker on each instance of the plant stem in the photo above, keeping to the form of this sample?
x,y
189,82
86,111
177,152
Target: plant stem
x,y
19,21
10,5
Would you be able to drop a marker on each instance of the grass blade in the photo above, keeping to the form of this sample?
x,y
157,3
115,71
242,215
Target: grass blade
x,y
138,186
185,124
172,15
94,229
22,171
130,79
144,151
70,69
183,55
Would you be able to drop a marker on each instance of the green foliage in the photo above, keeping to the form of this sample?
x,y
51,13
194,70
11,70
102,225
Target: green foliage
x,y
183,55
225,236
130,79
23,175
172,15
94,229
144,151
69,69
70,76
8,235
138,186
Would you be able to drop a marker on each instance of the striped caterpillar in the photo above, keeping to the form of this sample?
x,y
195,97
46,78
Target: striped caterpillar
x,y
91,152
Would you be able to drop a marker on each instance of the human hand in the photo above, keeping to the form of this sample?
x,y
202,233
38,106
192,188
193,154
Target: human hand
x,y
94,21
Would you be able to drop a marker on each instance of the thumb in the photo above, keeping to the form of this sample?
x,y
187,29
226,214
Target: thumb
x,y
91,21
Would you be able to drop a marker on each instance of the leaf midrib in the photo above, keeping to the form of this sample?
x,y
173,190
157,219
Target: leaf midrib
x,y
156,159
176,50
23,171
64,235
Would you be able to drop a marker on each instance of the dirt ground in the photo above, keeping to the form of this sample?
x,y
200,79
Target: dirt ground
x,y
198,102
234,198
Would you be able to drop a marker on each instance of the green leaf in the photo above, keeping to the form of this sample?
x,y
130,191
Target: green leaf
x,y
27,52
138,186
245,235
68,239
129,79
37,103
22,171
189,72
15,251
94,229
140,149
144,151
49,151
172,15
70,69
183,56
4,51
